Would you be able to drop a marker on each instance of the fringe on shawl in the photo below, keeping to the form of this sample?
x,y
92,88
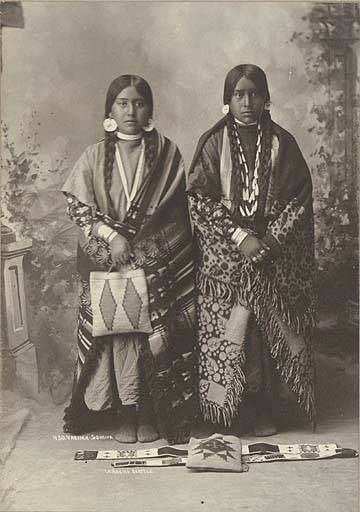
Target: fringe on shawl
x,y
289,369
248,294
225,415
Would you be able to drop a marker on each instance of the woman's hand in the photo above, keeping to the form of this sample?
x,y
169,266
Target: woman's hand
x,y
254,249
120,250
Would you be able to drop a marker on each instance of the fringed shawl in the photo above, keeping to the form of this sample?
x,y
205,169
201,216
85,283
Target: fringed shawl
x,y
158,226
280,293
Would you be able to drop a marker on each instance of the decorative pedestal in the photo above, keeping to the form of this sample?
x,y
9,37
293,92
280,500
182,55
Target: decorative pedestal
x,y
18,356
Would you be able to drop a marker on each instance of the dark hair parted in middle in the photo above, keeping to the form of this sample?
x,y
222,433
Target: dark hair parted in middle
x,y
120,83
143,88
258,77
250,71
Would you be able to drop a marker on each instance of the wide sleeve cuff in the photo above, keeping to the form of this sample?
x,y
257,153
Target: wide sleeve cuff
x,y
239,236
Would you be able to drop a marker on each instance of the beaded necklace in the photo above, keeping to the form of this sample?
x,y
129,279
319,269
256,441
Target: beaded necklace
x,y
250,192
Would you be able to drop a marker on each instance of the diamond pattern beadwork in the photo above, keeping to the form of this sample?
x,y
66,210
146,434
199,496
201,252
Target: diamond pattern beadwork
x,y
132,303
119,302
107,306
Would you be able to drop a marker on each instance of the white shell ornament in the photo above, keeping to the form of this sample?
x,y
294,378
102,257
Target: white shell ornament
x,y
150,126
225,109
109,124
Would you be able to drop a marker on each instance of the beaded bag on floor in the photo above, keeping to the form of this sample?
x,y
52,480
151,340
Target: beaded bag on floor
x,y
216,453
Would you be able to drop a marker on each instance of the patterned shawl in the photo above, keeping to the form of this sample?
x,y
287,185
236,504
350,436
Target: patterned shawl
x,y
158,226
280,293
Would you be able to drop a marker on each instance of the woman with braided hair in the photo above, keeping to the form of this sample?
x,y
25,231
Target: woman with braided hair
x,y
127,194
250,195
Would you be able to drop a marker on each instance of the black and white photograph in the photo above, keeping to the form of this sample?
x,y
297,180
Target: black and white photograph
x,y
179,256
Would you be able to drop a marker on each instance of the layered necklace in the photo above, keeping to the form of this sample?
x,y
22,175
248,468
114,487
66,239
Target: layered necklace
x,y
250,190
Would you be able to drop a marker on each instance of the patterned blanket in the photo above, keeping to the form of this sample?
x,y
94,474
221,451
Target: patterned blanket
x,y
158,226
280,294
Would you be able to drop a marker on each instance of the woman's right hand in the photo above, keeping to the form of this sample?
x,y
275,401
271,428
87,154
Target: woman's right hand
x,y
120,250
254,249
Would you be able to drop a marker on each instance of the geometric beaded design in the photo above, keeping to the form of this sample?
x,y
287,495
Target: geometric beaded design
x,y
107,306
132,304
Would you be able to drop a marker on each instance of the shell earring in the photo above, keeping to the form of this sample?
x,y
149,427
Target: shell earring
x,y
150,125
225,109
109,124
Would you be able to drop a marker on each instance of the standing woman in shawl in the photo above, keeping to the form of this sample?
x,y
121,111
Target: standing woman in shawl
x,y
251,202
127,194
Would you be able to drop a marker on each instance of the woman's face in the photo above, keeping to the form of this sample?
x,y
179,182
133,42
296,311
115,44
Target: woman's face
x,y
130,111
246,103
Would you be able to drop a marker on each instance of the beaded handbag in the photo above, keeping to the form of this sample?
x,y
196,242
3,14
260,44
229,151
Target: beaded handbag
x,y
216,453
120,302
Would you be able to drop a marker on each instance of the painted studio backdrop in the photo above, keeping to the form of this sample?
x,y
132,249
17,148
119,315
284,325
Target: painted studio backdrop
x,y
58,61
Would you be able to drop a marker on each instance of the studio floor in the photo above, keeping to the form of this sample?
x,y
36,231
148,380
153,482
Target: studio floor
x,y
40,474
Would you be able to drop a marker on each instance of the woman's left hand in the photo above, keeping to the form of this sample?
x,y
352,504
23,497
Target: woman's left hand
x,y
262,254
254,249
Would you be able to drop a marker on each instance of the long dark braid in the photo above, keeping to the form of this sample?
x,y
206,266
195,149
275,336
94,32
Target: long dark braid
x,y
110,146
150,149
265,162
236,180
116,86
